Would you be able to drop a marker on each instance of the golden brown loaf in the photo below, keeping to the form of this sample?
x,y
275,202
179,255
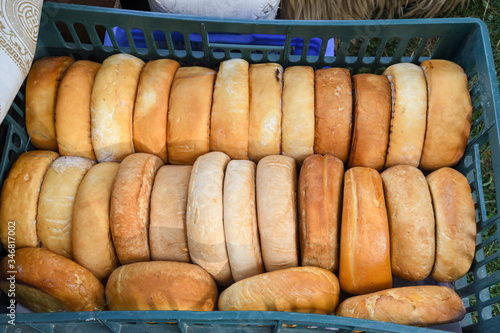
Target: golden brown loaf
x,y
276,185
297,122
167,226
240,220
409,111
19,200
264,128
129,210
372,117
297,289
91,235
41,93
455,224
112,106
47,282
411,222
230,110
365,264
204,217
449,114
320,189
56,201
188,125
333,112
417,305
161,285
151,107
73,110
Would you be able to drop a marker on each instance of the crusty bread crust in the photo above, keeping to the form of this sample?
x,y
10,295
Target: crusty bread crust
x,y
416,305
129,211
320,191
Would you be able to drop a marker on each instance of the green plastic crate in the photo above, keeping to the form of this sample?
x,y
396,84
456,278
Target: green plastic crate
x,y
380,43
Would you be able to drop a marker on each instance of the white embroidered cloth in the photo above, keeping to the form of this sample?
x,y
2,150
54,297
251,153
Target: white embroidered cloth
x,y
19,23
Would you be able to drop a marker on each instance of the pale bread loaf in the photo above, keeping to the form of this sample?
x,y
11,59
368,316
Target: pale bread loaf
x,y
230,110
455,224
297,289
276,185
91,235
56,202
112,106
167,227
297,122
416,305
204,217
240,220
449,114
411,222
409,114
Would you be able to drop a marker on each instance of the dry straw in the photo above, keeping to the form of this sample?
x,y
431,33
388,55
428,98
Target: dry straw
x,y
365,9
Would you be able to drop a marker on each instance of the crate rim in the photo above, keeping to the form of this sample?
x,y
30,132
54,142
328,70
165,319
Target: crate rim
x,y
272,318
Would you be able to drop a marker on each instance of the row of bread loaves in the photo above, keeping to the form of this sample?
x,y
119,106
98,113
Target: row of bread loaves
x,y
108,213
60,284
400,223
219,194
415,115
236,219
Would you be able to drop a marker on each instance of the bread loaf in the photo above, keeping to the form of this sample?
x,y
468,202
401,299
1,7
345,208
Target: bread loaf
x,y
188,125
372,117
240,220
276,185
411,222
449,114
409,113
41,92
204,217
297,124
91,235
112,106
167,227
320,189
151,107
56,201
73,110
160,285
19,200
455,224
264,129
297,289
416,305
129,210
47,282
230,110
365,264
333,112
